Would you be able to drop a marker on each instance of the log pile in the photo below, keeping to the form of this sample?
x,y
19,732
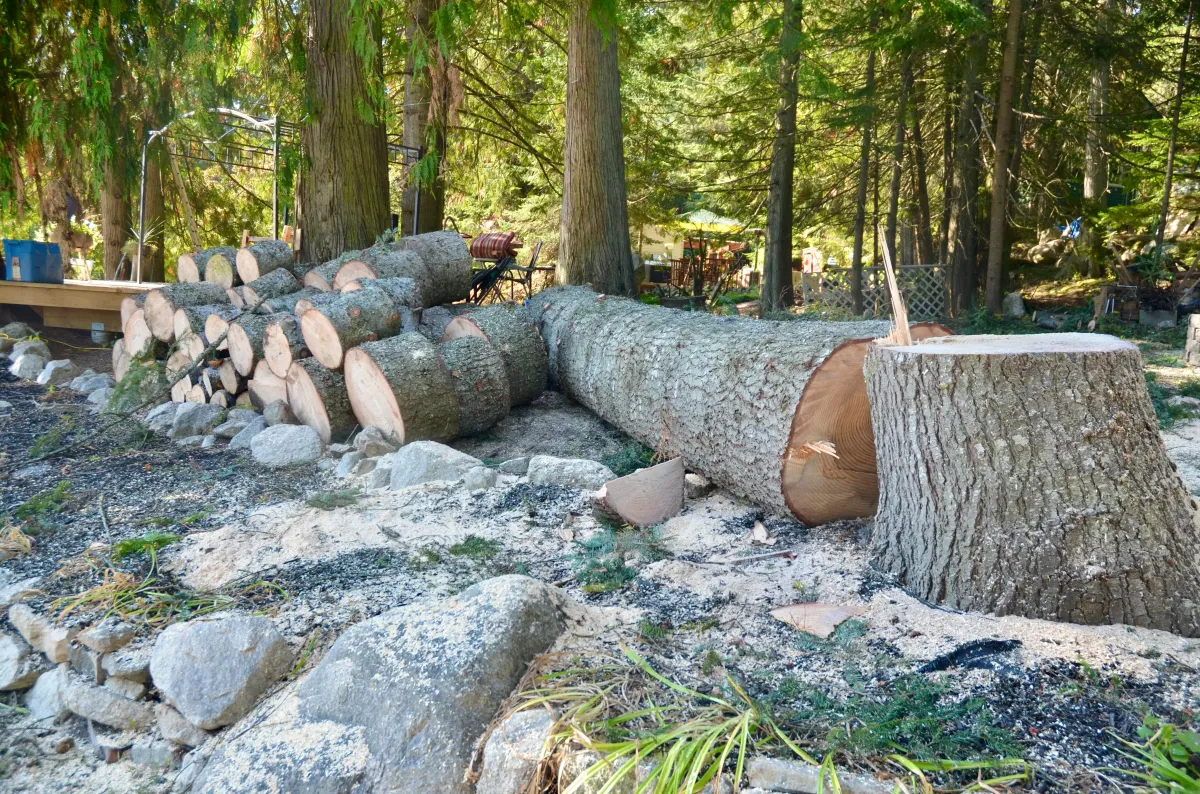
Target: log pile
x,y
339,343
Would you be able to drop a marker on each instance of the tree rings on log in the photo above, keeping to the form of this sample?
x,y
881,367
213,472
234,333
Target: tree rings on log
x,y
130,304
259,259
352,319
401,386
194,320
283,342
266,387
819,484
321,276
161,304
194,267
317,396
1025,475
516,338
139,340
245,337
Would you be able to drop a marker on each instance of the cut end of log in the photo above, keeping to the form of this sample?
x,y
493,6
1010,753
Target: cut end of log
x,y
216,327
352,286
460,327
646,497
306,402
186,270
353,270
235,297
241,350
159,314
266,387
247,265
371,395
834,411
220,270
322,338
315,280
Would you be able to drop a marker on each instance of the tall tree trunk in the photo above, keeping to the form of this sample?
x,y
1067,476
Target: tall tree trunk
x,y
860,206
1095,161
898,158
153,269
114,213
594,246
1166,199
777,267
951,85
343,201
426,199
963,234
1033,41
924,221
1000,181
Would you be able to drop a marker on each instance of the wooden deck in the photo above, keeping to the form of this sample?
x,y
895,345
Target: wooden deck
x,y
74,304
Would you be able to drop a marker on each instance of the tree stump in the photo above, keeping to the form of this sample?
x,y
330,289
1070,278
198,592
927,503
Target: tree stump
x,y
516,338
1025,475
401,386
317,396
255,261
352,319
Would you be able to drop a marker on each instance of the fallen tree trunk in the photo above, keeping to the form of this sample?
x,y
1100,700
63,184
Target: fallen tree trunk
x,y
516,338
161,304
194,267
1025,475
480,382
401,386
278,282
194,320
750,404
266,387
448,262
354,318
245,336
255,261
317,396
283,343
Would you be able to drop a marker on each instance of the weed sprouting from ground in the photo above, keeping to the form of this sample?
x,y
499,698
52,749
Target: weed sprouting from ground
x,y
630,458
601,564
53,438
654,631
38,514
147,544
476,548
331,500
1168,758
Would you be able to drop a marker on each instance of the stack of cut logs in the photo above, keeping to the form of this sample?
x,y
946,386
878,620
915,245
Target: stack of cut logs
x,y
356,341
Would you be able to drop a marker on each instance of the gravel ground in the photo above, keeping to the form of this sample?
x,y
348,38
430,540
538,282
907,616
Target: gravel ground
x,y
1061,696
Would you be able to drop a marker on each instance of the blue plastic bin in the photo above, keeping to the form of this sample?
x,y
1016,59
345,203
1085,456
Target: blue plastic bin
x,y
29,260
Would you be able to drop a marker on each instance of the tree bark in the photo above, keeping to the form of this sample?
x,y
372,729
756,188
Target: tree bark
x,y
355,317
594,245
194,319
742,401
189,214
154,268
952,81
860,206
287,303
321,277
1003,140
776,293
448,261
161,304
344,193
514,335
382,262
1170,176
279,281
114,213
1095,160
401,386
963,234
426,198
193,267
480,382
928,253
1033,40
893,214
1025,475
317,396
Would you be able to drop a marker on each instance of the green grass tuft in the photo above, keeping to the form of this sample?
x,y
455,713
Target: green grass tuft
x,y
331,500
147,544
476,548
630,458
600,564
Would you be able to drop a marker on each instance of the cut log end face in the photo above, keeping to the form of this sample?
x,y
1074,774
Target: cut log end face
x,y
353,270
159,314
241,351
460,327
829,471
322,338
315,280
247,265
306,403
220,270
186,270
371,395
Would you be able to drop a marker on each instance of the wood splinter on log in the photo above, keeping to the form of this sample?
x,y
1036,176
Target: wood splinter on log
x,y
646,497
317,396
740,400
354,318
255,261
1025,475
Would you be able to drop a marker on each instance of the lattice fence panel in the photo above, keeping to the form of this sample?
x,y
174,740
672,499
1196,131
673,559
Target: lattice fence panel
x,y
924,287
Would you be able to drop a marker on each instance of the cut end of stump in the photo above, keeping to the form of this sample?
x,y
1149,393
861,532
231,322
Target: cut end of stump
x,y
1015,344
